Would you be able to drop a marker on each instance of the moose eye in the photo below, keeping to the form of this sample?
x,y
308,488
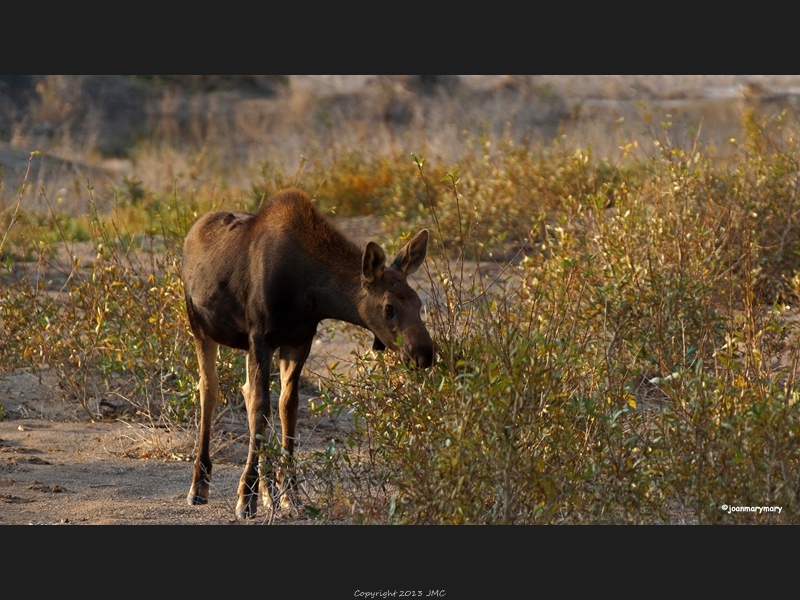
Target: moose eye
x,y
388,311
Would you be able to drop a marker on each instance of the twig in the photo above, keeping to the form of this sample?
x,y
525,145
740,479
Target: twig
x,y
19,199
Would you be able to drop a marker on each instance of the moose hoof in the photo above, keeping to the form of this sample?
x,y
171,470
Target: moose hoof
x,y
247,507
196,498
291,505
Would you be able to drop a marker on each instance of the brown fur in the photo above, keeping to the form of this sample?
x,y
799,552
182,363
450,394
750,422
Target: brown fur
x,y
263,283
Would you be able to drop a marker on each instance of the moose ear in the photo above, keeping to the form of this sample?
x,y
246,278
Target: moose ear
x,y
372,263
413,253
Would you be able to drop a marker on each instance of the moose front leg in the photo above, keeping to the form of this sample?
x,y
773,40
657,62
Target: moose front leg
x,y
209,385
256,396
292,359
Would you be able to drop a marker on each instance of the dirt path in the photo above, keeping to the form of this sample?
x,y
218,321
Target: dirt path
x,y
52,472
59,467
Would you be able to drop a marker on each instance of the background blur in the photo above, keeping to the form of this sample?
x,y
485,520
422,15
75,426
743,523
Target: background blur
x,y
171,131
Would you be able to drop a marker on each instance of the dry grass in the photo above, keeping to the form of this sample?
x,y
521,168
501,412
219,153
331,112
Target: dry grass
x,y
216,143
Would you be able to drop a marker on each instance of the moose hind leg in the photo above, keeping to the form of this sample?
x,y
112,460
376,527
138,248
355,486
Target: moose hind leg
x,y
256,395
292,359
209,388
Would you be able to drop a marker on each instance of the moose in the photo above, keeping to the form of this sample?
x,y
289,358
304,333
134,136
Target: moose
x,y
262,283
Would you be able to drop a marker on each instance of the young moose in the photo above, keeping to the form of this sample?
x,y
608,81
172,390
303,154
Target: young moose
x,y
263,283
